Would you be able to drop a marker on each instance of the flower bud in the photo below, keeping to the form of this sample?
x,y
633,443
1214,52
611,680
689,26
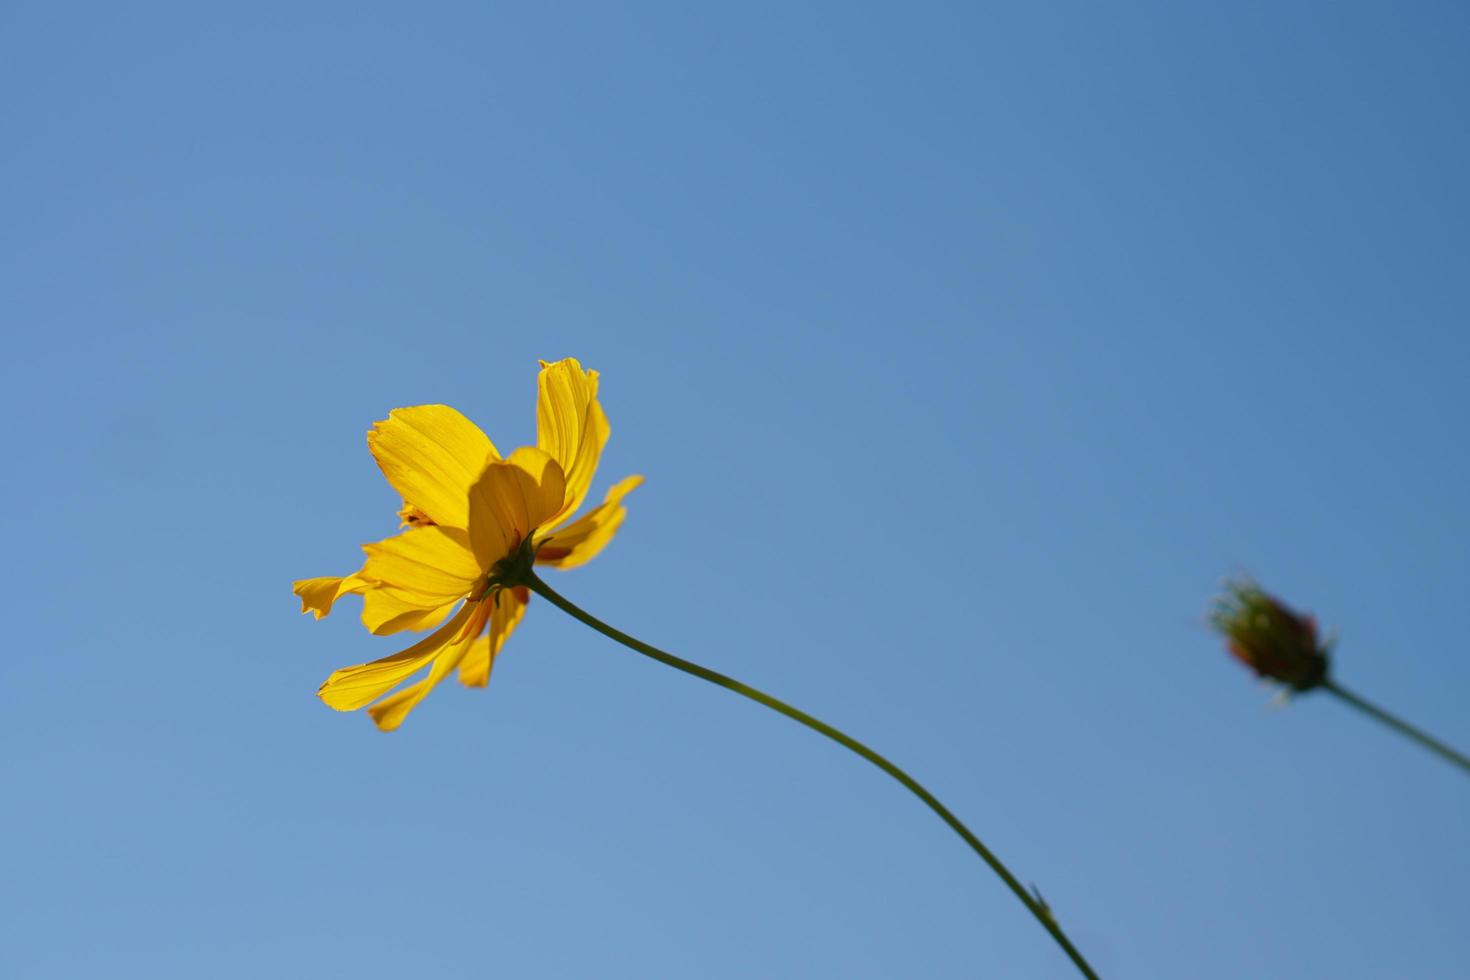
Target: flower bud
x,y
1270,637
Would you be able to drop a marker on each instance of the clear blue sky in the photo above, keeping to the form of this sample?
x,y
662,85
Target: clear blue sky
x,y
965,349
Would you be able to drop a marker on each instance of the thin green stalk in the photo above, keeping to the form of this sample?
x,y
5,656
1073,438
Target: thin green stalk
x,y
1398,724
1038,908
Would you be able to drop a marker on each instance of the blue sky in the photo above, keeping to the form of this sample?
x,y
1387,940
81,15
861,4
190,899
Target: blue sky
x,y
965,349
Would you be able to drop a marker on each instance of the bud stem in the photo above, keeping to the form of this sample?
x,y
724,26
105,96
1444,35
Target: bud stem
x,y
1398,724
1042,912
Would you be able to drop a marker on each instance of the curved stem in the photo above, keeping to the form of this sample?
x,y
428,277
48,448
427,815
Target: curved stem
x,y
1398,724
1037,907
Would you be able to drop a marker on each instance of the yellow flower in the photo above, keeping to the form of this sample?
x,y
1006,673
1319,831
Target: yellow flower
x,y
467,510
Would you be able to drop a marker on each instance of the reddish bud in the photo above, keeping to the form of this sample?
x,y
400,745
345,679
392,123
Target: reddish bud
x,y
1270,637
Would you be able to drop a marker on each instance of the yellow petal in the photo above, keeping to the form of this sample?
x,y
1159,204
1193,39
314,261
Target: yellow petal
x,y
431,454
318,594
570,425
511,499
389,713
549,482
434,562
474,669
386,610
580,541
352,687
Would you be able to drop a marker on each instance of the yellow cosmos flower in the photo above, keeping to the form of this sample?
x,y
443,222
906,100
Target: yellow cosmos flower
x,y
467,509
477,524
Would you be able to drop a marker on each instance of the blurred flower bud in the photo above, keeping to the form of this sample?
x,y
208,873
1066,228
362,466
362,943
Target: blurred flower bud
x,y
1270,637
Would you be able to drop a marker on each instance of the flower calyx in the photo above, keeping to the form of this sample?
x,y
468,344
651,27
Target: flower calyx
x,y
515,570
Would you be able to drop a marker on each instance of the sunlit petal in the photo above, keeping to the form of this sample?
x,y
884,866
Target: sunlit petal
x,y
353,687
431,455
389,713
580,541
386,610
474,669
570,425
429,561
510,500
318,594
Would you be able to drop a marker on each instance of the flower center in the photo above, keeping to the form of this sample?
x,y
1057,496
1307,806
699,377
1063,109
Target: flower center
x,y
411,516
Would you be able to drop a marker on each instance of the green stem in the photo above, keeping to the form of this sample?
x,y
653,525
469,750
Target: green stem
x,y
1038,908
1398,724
